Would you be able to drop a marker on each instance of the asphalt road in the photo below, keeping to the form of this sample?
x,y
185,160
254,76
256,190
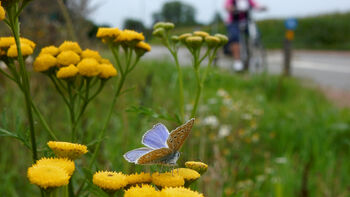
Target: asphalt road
x,y
325,68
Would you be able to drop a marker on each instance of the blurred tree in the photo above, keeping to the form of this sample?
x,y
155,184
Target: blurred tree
x,y
134,25
217,19
177,12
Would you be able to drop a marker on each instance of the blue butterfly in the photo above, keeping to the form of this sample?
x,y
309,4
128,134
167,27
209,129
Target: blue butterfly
x,y
161,146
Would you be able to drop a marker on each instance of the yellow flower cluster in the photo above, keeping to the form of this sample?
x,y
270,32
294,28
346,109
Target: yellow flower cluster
x,y
149,191
51,172
67,150
8,47
110,181
69,60
198,38
126,38
139,178
2,12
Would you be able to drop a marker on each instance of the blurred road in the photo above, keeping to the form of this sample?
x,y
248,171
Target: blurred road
x,y
327,69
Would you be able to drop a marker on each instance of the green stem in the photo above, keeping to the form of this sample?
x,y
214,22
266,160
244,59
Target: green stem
x,y
44,123
181,89
15,27
198,93
70,189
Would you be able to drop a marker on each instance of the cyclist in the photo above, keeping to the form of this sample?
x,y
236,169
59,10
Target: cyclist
x,y
238,11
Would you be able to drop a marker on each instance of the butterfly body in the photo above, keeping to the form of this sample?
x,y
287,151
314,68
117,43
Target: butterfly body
x,y
161,146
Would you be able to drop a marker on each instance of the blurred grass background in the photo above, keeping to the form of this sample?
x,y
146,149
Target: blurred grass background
x,y
260,135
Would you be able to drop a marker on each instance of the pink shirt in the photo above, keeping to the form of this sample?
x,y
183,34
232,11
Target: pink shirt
x,y
228,3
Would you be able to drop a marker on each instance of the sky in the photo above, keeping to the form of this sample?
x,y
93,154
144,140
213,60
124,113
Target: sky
x,y
114,12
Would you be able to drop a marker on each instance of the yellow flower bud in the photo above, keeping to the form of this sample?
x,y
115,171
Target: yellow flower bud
x,y
141,48
67,72
129,37
52,50
25,48
89,67
159,32
223,39
87,53
107,71
105,32
183,37
158,25
70,46
194,41
201,34
67,58
175,39
212,41
44,62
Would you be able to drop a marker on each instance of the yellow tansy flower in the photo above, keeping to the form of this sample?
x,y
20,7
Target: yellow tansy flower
x,y
52,50
138,178
144,46
28,42
87,53
110,181
25,48
183,37
194,41
67,72
2,12
179,192
143,191
107,71
188,174
105,32
167,179
67,58
223,38
212,41
70,46
67,150
63,163
105,61
47,176
201,34
89,67
129,36
200,167
44,62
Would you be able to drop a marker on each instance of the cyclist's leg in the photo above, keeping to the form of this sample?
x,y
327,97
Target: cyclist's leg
x,y
234,33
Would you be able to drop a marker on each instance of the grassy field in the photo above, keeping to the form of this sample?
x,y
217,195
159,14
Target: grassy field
x,y
260,135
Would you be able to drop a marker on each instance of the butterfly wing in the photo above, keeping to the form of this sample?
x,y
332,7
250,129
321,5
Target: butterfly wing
x,y
178,136
154,156
133,155
156,137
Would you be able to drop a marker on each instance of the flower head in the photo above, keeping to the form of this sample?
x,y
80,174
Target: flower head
x,y
89,67
67,72
44,62
70,46
107,71
159,32
66,58
87,53
67,150
179,192
111,181
64,163
139,178
165,25
141,48
202,34
183,37
105,32
223,39
212,41
129,37
2,13
194,41
167,179
47,176
25,48
200,167
187,174
52,50
143,191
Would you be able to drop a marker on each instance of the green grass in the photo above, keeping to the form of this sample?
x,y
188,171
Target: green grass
x,y
279,132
